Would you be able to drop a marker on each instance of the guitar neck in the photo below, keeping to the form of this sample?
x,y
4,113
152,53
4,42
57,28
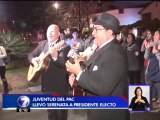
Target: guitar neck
x,y
54,47
45,55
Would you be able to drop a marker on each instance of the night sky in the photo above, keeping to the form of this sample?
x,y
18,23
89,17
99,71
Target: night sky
x,y
23,10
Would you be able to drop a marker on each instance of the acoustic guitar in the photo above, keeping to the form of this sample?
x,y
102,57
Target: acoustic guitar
x,y
76,90
35,72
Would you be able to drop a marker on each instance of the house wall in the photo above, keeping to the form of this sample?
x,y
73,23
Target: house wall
x,y
154,9
129,16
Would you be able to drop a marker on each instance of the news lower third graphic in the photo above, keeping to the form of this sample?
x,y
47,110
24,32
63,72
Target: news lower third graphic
x,y
23,103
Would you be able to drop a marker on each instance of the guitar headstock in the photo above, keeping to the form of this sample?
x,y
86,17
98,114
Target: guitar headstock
x,y
59,44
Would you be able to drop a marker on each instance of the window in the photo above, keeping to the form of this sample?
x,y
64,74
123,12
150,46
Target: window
x,y
146,16
121,11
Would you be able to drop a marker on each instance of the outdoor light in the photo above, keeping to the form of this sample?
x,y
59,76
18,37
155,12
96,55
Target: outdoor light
x,y
56,5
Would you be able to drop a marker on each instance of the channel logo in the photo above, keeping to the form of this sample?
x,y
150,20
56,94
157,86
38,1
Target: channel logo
x,y
23,103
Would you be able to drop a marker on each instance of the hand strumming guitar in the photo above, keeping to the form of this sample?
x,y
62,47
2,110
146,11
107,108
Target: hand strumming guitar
x,y
73,68
36,61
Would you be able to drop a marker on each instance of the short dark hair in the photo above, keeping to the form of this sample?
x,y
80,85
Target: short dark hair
x,y
68,36
133,37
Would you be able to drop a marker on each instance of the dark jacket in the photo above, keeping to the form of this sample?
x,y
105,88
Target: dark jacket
x,y
133,60
106,76
55,79
139,106
153,68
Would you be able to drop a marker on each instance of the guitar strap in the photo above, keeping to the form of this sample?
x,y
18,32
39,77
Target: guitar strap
x,y
45,43
52,44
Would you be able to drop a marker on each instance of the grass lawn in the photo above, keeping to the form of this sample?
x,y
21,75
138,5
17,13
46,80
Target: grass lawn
x,y
16,74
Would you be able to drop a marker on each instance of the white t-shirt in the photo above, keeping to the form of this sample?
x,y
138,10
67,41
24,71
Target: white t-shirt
x,y
3,54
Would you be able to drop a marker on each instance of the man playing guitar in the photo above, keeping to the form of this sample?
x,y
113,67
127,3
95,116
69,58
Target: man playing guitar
x,y
81,57
55,79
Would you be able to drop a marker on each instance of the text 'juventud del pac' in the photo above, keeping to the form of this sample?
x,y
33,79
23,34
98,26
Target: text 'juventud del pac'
x,y
48,99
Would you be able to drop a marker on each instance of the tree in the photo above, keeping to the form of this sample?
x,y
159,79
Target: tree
x,y
45,14
69,14
14,44
151,24
80,12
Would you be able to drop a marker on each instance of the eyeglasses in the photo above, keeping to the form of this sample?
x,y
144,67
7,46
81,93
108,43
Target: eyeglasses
x,y
97,29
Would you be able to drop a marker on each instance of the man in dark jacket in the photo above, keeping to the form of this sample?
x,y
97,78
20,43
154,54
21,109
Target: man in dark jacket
x,y
55,79
106,73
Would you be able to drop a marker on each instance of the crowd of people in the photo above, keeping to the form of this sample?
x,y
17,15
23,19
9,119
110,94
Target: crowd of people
x,y
143,57
90,68
143,54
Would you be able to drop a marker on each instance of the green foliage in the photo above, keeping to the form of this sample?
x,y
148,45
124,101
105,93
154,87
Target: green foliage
x,y
151,24
14,43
